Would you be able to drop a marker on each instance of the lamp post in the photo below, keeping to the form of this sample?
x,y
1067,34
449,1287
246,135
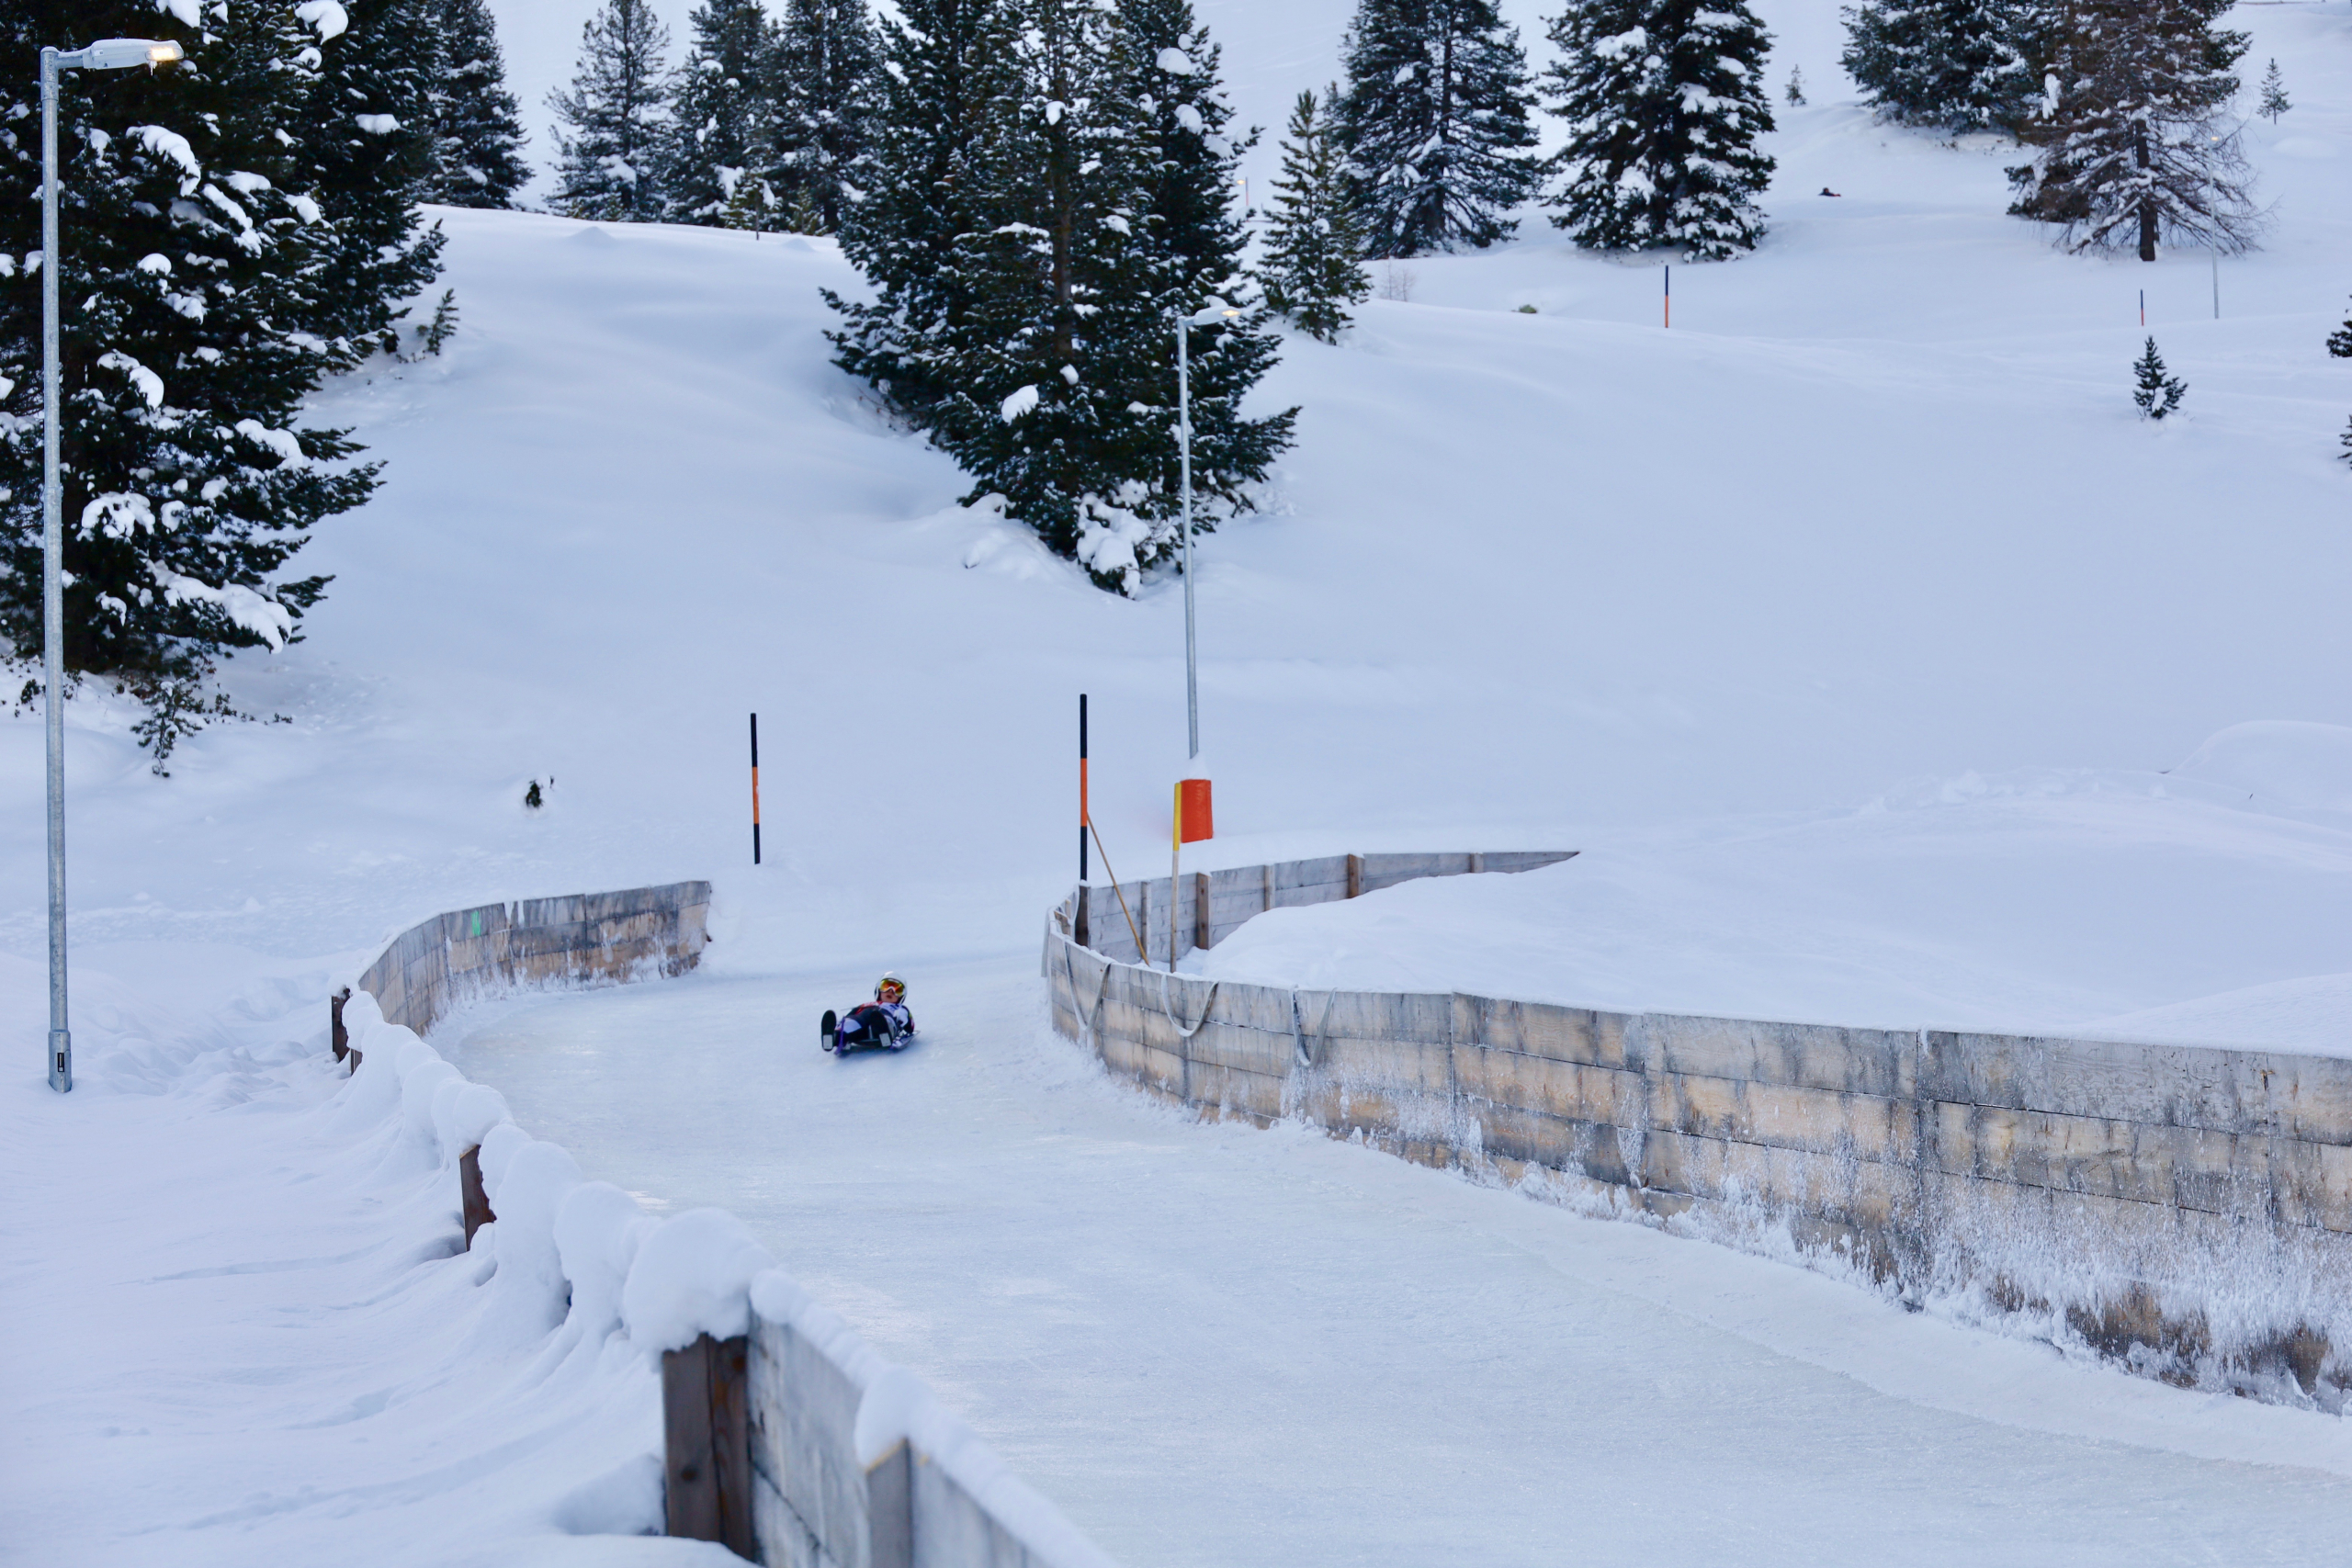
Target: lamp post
x,y
1187,796
111,54
1215,313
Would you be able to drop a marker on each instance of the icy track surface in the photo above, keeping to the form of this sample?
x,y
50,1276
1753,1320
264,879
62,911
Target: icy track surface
x,y
1213,1344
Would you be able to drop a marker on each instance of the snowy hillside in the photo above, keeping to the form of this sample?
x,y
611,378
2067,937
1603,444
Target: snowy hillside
x,y
1859,586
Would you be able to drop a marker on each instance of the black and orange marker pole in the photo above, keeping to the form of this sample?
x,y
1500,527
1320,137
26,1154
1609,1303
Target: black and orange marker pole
x,y
755,789
1085,826
1669,294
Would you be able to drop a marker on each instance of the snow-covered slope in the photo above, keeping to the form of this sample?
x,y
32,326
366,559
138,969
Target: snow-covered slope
x,y
1873,521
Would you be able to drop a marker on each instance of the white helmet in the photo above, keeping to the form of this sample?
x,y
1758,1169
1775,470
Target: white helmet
x,y
889,982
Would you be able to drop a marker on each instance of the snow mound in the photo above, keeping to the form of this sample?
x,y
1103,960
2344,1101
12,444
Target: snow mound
x,y
2311,1013
693,1276
2289,762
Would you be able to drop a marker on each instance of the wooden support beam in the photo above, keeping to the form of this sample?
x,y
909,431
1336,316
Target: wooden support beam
x,y
707,1442
340,1036
1355,876
475,1202
1200,909
890,1510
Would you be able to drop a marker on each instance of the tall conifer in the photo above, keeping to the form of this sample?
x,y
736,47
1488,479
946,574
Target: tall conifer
x,y
722,120
615,118
828,85
2133,146
947,74
1434,123
476,129
1663,100
198,293
1955,64
1310,272
367,138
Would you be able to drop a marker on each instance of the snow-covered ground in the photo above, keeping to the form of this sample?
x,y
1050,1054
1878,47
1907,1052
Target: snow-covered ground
x,y
1872,523
2203,905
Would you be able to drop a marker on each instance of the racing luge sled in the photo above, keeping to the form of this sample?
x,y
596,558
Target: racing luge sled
x,y
885,1022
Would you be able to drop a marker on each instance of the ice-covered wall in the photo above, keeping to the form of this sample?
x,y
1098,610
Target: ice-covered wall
x,y
2186,1212
580,939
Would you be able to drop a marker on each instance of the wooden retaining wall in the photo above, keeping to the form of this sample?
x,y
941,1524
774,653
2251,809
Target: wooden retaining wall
x,y
2185,1212
580,939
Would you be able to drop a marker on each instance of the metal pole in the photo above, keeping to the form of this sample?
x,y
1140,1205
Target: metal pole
x,y
755,789
1184,424
52,593
2217,286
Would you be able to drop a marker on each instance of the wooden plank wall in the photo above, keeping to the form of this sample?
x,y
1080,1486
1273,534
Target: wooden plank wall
x,y
580,939
2185,1211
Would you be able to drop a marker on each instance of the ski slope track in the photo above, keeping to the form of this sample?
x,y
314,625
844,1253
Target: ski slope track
x,y
1885,668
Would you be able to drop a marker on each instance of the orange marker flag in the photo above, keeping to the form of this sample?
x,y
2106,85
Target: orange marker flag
x,y
1195,818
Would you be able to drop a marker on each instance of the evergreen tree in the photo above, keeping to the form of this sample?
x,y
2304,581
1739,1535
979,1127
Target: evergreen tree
x,y
1796,86
2131,146
2157,393
2274,95
947,74
477,130
367,140
722,125
1192,243
1663,100
615,117
1434,124
1954,64
1310,272
2339,342
2345,441
197,272
828,72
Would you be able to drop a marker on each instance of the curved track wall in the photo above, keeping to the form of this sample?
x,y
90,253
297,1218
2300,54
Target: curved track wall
x,y
581,939
2185,1212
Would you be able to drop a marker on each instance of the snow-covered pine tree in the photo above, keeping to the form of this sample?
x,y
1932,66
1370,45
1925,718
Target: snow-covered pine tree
x,y
1434,124
476,129
947,75
1055,401
191,262
1308,267
615,119
1663,100
2339,342
1192,243
2134,147
2345,441
2157,393
722,112
2274,94
366,139
1953,65
1796,86
828,85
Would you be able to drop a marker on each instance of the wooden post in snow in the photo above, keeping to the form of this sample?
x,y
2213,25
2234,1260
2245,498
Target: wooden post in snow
x,y
707,1442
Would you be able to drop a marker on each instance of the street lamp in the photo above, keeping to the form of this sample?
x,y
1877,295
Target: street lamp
x,y
110,54
1193,818
1215,314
